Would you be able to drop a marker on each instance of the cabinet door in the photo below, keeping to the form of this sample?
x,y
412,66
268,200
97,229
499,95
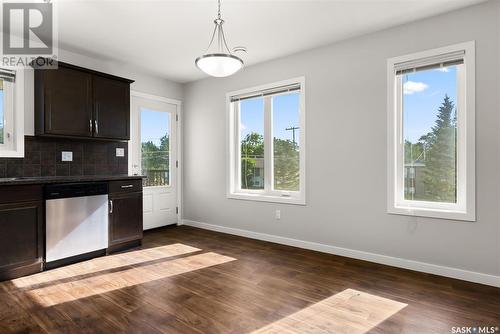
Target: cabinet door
x,y
111,108
125,221
21,239
67,102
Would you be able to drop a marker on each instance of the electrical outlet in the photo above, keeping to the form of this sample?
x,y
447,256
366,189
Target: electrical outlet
x,y
120,152
277,214
67,156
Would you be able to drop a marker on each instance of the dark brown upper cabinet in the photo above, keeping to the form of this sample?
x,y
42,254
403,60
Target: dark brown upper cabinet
x,y
72,101
65,95
111,108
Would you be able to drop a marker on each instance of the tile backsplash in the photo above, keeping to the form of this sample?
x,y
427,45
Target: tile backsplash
x,y
42,157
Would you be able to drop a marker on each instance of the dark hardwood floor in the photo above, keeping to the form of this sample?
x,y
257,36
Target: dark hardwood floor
x,y
187,280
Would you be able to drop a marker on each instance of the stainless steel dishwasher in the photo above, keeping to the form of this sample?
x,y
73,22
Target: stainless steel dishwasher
x,y
76,222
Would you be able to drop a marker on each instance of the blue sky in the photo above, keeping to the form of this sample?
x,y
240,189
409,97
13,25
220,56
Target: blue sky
x,y
285,115
424,92
154,125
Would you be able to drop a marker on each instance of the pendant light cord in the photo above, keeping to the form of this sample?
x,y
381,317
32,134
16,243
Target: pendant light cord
x,y
224,40
221,38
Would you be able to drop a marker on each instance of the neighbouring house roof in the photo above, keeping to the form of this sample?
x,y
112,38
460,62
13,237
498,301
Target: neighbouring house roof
x,y
415,164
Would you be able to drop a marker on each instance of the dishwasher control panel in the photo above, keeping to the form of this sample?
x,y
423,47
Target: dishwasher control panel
x,y
67,190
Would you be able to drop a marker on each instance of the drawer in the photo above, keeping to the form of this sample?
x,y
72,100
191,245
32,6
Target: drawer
x,y
125,186
24,193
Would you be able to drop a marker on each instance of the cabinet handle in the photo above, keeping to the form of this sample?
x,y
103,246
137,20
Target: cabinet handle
x,y
90,125
127,186
110,206
96,125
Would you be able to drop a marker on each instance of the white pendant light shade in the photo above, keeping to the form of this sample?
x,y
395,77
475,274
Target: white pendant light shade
x,y
219,64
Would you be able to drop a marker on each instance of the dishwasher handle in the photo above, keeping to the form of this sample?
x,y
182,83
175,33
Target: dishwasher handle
x,y
110,206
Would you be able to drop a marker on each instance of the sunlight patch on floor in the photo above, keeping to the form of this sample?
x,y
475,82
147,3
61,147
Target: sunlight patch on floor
x,y
105,263
349,311
94,285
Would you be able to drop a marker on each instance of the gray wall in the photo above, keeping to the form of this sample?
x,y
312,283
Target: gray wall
x,y
346,148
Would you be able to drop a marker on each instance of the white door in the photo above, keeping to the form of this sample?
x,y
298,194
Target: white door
x,y
153,149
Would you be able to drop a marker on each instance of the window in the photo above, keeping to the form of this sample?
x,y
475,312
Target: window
x,y
11,113
267,143
6,107
252,143
431,133
155,147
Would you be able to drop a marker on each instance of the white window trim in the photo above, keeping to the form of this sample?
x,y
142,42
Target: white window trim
x,y
15,120
465,208
233,147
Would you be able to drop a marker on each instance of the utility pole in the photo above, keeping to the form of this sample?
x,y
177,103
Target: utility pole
x,y
293,128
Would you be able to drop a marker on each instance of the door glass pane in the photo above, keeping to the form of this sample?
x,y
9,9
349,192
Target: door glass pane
x,y
155,147
2,113
286,143
430,135
252,143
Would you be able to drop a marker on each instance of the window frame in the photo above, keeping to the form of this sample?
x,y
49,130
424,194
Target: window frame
x,y
268,194
464,208
8,115
14,117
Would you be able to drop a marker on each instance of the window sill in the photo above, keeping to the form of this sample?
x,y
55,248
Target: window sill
x,y
267,198
433,213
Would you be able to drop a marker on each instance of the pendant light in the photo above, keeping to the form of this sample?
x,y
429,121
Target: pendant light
x,y
222,62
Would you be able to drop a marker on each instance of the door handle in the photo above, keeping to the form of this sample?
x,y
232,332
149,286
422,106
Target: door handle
x,y
110,206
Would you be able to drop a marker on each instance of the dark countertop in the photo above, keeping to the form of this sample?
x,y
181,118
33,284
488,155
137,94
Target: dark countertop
x,y
65,179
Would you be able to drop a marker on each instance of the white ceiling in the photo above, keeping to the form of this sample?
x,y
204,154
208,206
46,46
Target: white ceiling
x,y
165,37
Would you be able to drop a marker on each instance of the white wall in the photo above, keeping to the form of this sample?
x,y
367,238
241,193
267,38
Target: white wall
x,y
144,82
346,148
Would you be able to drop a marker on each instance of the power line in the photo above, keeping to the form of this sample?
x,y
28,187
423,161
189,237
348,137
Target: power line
x,y
293,128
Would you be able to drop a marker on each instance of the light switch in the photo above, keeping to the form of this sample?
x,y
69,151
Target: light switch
x,y
120,152
67,156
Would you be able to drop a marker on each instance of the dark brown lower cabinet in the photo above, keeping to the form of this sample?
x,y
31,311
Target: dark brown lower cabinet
x,y
125,220
21,235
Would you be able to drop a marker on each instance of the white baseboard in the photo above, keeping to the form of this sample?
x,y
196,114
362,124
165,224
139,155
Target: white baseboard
x,y
461,274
